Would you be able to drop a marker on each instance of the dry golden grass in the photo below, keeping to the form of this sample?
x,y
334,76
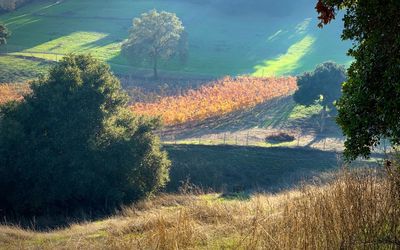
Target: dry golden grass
x,y
355,211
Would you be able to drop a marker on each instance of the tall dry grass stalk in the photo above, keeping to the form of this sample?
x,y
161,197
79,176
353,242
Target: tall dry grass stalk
x,y
357,210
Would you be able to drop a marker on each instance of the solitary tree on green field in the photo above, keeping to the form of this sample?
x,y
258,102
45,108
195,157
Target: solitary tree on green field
x,y
323,85
4,34
370,104
74,143
156,36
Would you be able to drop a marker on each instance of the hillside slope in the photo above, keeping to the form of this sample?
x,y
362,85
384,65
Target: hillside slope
x,y
251,126
225,167
353,211
266,39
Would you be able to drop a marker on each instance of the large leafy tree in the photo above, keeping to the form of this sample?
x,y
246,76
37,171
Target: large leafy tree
x,y
369,109
74,143
4,34
323,85
156,36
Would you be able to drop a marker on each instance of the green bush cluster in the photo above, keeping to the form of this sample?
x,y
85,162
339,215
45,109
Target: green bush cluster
x,y
74,143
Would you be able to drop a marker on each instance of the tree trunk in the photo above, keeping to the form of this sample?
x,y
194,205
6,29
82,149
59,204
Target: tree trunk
x,y
323,117
155,68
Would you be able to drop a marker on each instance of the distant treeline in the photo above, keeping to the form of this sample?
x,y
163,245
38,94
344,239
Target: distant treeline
x,y
9,5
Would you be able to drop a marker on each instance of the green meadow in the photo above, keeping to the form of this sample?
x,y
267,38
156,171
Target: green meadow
x,y
220,43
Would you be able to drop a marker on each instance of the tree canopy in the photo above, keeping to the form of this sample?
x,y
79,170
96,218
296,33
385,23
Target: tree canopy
x,y
4,34
323,85
370,105
74,143
154,36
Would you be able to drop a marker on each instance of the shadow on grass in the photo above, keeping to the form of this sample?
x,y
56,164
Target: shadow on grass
x,y
240,196
225,168
49,222
236,169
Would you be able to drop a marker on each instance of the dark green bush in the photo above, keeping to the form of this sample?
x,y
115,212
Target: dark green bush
x,y
73,143
279,138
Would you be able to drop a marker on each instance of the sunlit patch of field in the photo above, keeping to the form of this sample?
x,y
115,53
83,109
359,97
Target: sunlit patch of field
x,y
287,62
78,42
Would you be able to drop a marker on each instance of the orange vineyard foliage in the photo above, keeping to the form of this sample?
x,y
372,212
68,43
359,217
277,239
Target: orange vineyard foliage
x,y
9,92
219,98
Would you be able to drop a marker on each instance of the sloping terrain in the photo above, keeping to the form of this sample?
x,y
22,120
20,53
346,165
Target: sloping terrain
x,y
251,126
217,98
352,211
243,123
267,39
239,168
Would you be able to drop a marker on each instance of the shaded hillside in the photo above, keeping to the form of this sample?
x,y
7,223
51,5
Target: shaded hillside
x,y
236,168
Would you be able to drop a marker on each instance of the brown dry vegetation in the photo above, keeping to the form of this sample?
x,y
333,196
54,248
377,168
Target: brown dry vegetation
x,y
217,98
9,92
357,210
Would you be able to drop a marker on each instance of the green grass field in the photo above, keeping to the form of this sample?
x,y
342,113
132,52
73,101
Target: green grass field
x,y
14,69
221,43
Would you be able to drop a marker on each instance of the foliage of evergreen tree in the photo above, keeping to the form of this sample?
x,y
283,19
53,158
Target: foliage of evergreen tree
x,y
74,143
